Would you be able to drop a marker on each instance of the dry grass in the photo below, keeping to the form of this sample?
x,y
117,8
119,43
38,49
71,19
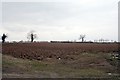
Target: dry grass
x,y
86,65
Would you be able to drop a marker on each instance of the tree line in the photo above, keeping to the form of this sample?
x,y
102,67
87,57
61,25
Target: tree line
x,y
31,35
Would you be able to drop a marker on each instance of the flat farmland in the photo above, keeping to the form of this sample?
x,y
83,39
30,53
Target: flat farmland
x,y
54,50
59,60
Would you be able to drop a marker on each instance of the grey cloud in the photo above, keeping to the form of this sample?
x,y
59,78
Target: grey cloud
x,y
63,18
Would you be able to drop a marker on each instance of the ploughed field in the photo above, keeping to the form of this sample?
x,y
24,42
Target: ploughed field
x,y
40,51
60,60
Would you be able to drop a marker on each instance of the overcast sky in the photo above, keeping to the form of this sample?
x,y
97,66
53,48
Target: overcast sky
x,y
60,19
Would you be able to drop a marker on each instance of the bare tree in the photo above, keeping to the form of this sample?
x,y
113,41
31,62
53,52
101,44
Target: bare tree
x,y
82,37
31,35
101,40
4,36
